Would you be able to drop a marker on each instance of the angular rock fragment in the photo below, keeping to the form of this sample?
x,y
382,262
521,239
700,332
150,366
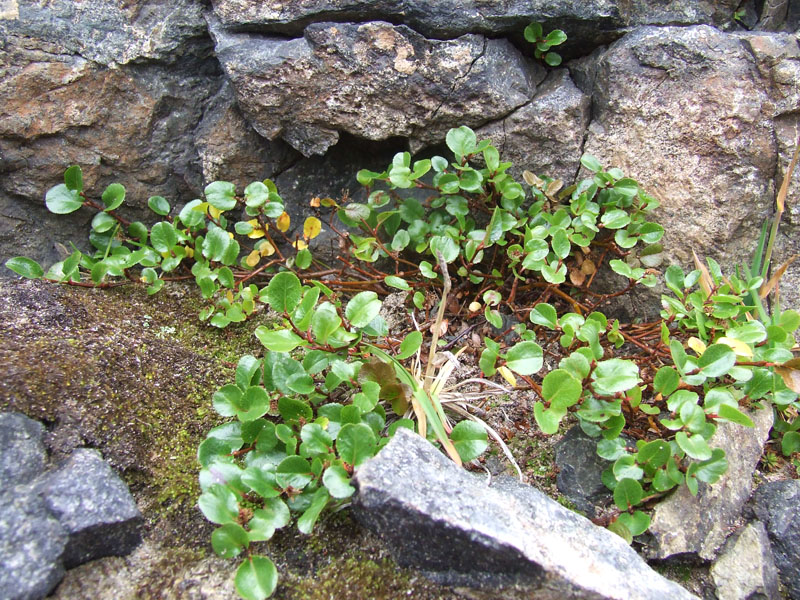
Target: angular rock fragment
x,y
22,453
776,505
373,80
580,470
31,544
94,506
698,525
545,135
746,567
439,518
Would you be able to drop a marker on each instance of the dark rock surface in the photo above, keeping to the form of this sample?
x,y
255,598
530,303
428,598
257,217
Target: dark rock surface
x,y
775,503
698,525
32,542
746,567
545,135
579,471
95,508
50,521
373,80
23,455
440,518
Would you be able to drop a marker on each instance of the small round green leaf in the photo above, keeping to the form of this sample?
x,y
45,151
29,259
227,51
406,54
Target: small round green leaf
x,y
61,200
410,345
627,493
561,389
229,540
337,481
218,504
362,308
356,443
73,178
159,205
113,196
256,578
294,471
716,360
280,340
221,195
461,140
26,267
695,446
284,291
470,440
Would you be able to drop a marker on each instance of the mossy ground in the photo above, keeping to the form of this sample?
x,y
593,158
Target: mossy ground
x,y
132,376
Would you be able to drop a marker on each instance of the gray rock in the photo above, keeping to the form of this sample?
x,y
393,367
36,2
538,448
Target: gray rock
x,y
585,22
31,544
372,80
110,33
230,150
23,456
775,503
745,568
694,115
94,506
545,135
579,471
439,518
133,124
698,525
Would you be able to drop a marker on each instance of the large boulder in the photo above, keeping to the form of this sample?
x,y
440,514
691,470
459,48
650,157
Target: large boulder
x,y
81,85
461,531
705,121
373,80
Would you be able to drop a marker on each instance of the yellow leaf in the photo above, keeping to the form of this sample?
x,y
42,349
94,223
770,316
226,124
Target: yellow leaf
x,y
266,249
214,212
697,345
507,375
256,233
202,207
300,245
189,252
738,346
283,222
252,258
230,234
311,228
229,296
314,202
474,306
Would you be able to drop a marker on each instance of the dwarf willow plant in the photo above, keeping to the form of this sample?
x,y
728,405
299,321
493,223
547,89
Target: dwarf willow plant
x,y
534,33
333,385
328,385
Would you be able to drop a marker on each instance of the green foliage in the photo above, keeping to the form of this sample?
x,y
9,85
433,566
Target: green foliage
x,y
534,33
331,389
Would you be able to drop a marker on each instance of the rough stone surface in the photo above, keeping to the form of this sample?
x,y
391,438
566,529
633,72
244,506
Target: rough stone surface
x,y
746,567
132,124
31,544
372,80
579,470
545,135
230,150
94,506
775,503
23,455
698,525
584,21
440,518
695,115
